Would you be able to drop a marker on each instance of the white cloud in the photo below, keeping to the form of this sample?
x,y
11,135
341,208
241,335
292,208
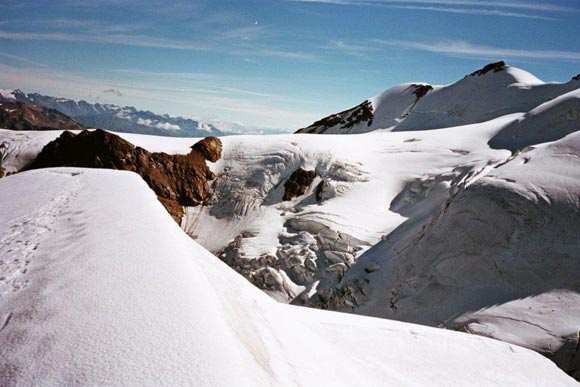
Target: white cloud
x,y
492,8
462,48
532,6
147,122
356,50
472,11
167,126
119,39
22,60
161,43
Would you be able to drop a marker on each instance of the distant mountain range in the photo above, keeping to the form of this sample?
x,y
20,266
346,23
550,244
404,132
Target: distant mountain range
x,y
18,115
127,119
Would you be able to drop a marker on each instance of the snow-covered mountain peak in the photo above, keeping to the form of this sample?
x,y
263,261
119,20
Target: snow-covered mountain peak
x,y
6,95
491,92
499,74
501,71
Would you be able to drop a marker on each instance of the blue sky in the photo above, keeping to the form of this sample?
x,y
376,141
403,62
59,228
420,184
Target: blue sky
x,y
277,63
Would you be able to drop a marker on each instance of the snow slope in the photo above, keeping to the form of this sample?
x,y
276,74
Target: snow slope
x,y
100,287
499,258
550,121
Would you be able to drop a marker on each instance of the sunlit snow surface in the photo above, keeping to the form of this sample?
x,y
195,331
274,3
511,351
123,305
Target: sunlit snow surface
x,y
110,291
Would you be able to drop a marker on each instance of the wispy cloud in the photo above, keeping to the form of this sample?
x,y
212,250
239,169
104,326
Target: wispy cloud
x,y
86,25
225,42
279,53
544,6
356,50
205,82
472,11
529,10
245,33
22,60
118,39
466,49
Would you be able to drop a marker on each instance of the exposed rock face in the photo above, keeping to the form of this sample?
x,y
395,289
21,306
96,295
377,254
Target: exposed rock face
x,y
28,116
298,183
3,147
421,90
210,148
347,119
382,111
178,180
495,67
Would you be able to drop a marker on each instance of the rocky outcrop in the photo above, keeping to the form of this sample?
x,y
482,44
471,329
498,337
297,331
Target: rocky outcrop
x,y
3,148
178,180
210,148
298,183
28,116
346,119
495,67
421,90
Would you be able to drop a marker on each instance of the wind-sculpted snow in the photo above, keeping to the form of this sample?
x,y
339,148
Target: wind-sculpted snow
x,y
548,122
487,261
116,294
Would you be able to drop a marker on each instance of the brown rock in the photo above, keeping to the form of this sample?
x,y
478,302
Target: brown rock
x,y
298,183
178,180
210,148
